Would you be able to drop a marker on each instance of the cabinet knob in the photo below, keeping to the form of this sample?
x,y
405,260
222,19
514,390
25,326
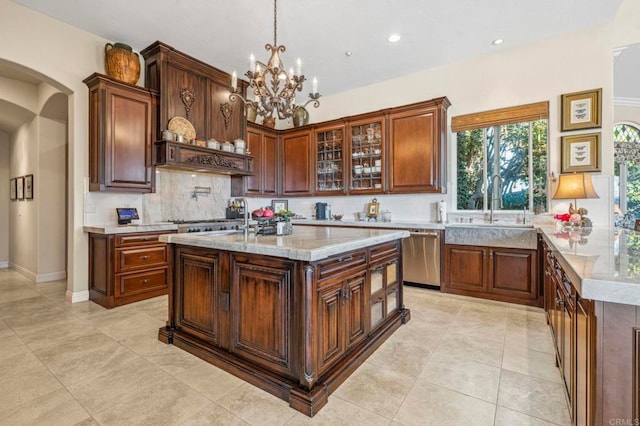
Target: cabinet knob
x,y
145,281
144,257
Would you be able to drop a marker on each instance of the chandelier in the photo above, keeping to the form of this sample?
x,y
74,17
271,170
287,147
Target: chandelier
x,y
273,87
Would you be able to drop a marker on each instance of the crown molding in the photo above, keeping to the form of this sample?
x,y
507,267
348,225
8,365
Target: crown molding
x,y
632,102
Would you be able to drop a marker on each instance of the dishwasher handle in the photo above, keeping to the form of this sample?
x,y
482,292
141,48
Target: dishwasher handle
x,y
425,234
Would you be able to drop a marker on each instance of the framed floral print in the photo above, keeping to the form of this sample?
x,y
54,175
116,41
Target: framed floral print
x,y
20,188
582,110
13,189
28,187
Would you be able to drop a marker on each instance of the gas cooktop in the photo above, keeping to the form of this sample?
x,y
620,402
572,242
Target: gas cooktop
x,y
181,222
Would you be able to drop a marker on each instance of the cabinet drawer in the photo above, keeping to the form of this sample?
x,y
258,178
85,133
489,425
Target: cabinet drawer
x,y
347,263
129,284
127,240
137,258
384,251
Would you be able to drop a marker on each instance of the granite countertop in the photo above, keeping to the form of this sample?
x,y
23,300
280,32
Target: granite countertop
x,y
124,229
603,263
410,224
308,243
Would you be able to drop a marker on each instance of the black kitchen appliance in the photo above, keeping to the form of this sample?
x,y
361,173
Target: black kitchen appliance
x,y
322,211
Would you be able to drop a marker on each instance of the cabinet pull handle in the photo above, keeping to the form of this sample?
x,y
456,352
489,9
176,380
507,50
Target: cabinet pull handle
x,y
346,258
144,257
146,280
145,238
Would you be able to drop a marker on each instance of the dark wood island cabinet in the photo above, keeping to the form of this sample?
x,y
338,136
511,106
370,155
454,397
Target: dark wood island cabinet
x,y
294,327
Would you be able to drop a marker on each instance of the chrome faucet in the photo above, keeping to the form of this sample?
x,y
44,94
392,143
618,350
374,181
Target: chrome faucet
x,y
495,190
245,225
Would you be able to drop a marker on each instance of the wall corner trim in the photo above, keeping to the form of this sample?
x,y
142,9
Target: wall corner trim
x,y
75,297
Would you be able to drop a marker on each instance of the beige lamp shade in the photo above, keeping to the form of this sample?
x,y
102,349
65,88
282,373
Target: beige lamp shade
x,y
574,186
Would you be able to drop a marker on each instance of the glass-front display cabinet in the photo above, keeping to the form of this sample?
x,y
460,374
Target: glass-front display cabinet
x,y
330,160
366,155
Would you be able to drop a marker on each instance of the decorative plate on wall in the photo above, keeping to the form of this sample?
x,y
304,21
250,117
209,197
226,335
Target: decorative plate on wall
x,y
182,126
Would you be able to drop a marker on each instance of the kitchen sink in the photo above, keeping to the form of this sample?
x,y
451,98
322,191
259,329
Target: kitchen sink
x,y
493,235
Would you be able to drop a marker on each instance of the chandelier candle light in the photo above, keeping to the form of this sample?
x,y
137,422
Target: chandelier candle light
x,y
273,87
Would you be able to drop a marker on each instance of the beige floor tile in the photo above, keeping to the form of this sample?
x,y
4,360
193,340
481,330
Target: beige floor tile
x,y
59,333
214,415
55,408
168,357
375,388
530,321
11,295
524,338
5,330
11,346
125,324
84,309
470,347
170,403
465,376
429,404
19,363
533,396
339,412
19,389
209,380
531,363
84,357
506,417
489,330
135,375
256,406
11,310
402,356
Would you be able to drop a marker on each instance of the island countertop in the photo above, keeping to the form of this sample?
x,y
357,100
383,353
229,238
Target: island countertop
x,y
309,243
603,263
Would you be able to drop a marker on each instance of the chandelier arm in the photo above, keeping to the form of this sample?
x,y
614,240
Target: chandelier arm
x,y
315,102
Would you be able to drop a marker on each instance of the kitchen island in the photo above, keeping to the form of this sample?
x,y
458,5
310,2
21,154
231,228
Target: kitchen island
x,y
294,315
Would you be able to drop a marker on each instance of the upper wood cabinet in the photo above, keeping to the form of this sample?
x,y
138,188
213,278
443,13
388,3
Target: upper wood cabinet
x,y
262,142
192,89
297,167
121,131
366,155
330,151
417,147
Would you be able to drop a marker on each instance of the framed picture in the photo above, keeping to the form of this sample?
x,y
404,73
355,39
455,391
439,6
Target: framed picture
x,y
28,187
581,153
373,208
13,189
20,187
582,110
277,205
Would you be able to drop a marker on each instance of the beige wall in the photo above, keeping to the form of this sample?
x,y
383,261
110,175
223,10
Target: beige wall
x,y
4,200
627,113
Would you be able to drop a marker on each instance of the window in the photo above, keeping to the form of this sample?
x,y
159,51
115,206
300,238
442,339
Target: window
x,y
626,141
504,162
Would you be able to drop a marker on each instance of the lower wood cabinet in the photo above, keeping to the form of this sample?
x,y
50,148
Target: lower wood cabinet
x,y
126,268
497,273
297,329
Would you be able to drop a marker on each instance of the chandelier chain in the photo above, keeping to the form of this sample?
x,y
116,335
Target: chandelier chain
x,y
275,22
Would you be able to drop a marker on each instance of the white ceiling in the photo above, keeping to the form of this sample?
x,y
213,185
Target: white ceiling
x,y
434,32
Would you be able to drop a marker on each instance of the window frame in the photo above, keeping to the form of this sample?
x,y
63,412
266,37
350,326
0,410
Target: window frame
x,y
622,177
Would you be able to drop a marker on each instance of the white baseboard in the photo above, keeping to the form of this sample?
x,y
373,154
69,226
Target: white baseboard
x,y
78,296
51,276
23,271
4,264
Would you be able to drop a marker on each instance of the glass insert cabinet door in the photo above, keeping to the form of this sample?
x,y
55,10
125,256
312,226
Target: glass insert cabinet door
x,y
384,285
330,160
366,155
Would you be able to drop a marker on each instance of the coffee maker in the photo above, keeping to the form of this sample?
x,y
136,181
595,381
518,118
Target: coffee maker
x,y
323,211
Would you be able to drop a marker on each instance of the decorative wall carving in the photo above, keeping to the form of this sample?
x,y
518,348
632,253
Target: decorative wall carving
x,y
188,98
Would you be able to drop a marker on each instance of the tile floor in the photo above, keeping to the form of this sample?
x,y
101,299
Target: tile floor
x,y
459,361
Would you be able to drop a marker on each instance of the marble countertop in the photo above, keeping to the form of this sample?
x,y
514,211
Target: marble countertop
x,y
603,263
411,224
124,229
308,243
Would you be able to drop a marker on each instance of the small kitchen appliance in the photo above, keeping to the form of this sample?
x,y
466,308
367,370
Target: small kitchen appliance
x,y
323,211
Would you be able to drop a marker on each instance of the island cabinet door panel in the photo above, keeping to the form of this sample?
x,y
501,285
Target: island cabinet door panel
x,y
585,362
262,311
357,304
197,305
331,324
514,273
466,268
296,164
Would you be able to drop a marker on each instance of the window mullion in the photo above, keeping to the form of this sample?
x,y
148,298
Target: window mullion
x,y
484,169
531,181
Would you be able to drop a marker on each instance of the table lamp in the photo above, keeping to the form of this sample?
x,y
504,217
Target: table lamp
x,y
574,186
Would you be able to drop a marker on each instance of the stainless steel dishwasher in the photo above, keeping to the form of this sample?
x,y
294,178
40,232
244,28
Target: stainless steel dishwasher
x,y
421,258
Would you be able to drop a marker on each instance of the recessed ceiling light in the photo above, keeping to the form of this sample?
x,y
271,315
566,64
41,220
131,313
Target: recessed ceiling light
x,y
347,53
393,38
497,41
